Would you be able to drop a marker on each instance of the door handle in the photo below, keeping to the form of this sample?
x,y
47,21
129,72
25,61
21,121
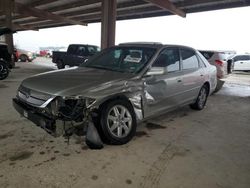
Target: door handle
x,y
201,75
179,80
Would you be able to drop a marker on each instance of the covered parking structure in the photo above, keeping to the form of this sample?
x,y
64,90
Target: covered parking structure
x,y
208,149
20,15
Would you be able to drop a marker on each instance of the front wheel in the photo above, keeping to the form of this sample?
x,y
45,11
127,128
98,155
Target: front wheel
x,y
118,122
201,99
4,71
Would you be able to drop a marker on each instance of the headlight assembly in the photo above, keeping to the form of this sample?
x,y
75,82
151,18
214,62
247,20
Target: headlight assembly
x,y
89,102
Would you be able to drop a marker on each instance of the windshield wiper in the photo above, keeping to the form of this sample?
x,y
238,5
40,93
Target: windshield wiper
x,y
105,68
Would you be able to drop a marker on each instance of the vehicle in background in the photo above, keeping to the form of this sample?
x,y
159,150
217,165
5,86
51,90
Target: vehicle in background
x,y
115,89
6,59
223,62
24,55
45,53
241,62
76,54
6,56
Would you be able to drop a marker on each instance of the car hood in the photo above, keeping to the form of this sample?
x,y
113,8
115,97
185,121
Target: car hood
x,y
74,81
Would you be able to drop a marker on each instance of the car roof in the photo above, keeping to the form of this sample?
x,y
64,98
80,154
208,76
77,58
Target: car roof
x,y
82,45
142,44
218,51
152,45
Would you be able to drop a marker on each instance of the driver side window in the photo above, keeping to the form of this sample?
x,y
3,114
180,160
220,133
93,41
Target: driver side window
x,y
168,59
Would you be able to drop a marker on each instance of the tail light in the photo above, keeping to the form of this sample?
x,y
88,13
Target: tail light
x,y
218,62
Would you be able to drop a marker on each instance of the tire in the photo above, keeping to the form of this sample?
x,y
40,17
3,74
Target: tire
x,y
60,64
201,100
4,71
23,58
118,129
230,66
219,85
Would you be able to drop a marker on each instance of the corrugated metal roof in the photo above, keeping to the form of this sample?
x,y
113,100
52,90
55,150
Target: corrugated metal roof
x,y
89,11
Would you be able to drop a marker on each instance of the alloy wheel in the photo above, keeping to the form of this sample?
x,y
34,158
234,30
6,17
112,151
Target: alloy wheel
x,y
119,121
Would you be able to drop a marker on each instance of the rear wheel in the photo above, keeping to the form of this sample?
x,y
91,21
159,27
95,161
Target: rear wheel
x,y
23,58
4,71
201,99
219,85
118,122
60,64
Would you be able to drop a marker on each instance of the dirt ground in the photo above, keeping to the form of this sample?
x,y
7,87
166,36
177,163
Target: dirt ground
x,y
181,149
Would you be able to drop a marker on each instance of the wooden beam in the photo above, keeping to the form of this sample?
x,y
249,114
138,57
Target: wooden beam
x,y
29,11
17,27
68,5
166,4
36,3
108,23
97,16
90,11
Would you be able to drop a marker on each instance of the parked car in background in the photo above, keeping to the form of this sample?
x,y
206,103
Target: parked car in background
x,y
241,62
223,63
45,53
24,55
76,54
6,56
116,89
6,59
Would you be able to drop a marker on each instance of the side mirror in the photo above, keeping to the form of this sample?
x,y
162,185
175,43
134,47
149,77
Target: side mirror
x,y
155,71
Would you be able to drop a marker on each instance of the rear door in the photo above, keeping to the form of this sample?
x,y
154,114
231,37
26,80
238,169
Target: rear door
x,y
193,75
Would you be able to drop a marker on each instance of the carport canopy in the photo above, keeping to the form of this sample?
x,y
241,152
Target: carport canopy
x,y
20,15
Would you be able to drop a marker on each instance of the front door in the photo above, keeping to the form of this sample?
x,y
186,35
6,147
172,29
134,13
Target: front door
x,y
161,91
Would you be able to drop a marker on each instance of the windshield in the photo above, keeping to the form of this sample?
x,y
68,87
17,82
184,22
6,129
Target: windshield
x,y
122,59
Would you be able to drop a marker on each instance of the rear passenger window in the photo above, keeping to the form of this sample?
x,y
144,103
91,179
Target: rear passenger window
x,y
169,59
207,55
189,59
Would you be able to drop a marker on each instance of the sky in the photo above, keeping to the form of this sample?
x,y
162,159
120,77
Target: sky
x,y
227,29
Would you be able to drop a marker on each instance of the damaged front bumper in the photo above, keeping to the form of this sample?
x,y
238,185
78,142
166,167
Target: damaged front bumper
x,y
93,139
46,123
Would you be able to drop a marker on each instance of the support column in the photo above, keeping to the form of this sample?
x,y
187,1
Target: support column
x,y
8,9
108,23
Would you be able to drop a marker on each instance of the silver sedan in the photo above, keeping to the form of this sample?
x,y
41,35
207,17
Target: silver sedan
x,y
117,88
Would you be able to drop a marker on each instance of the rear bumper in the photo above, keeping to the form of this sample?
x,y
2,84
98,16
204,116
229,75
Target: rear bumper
x,y
38,119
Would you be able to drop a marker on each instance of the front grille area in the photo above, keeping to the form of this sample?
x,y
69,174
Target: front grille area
x,y
32,97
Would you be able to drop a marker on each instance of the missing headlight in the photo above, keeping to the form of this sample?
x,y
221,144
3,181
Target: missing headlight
x,y
72,110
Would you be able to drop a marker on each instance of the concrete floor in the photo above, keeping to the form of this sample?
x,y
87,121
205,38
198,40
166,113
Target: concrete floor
x,y
182,149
